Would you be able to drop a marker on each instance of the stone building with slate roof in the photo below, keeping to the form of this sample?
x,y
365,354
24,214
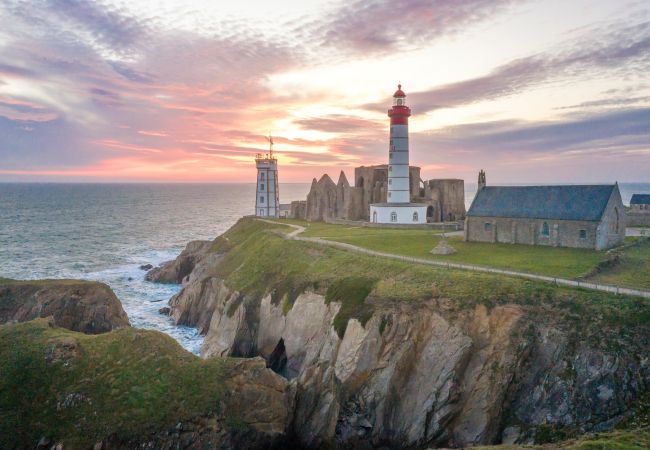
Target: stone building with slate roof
x,y
639,212
559,216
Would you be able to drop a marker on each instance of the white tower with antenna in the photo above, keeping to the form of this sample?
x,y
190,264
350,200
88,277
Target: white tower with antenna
x,y
267,192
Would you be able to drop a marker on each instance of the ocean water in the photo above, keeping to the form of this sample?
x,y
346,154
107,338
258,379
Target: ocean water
x,y
105,232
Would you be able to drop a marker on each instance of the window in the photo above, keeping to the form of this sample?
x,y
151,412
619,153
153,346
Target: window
x,y
262,187
390,168
390,156
545,229
416,217
262,176
262,199
583,234
390,181
487,226
389,195
393,216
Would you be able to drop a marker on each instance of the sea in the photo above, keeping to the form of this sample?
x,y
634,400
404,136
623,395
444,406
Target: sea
x,y
105,232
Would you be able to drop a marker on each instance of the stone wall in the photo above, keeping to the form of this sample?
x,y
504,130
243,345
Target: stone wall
x,y
561,233
447,197
638,220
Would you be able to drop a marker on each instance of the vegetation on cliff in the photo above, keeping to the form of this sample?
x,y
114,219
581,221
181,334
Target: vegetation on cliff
x,y
79,305
258,261
79,389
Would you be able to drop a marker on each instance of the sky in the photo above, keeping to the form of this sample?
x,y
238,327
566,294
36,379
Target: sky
x,y
531,91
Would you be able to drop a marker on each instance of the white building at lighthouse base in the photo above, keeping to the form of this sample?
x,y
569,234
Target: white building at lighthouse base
x,y
398,213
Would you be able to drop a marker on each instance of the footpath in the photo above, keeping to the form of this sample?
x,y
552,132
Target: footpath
x,y
295,235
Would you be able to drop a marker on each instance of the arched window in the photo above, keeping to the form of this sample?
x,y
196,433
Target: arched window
x,y
262,176
545,230
430,211
390,168
393,216
374,216
416,217
262,199
261,186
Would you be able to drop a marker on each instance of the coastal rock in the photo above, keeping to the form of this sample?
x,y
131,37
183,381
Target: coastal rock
x,y
176,270
413,376
164,310
146,267
86,306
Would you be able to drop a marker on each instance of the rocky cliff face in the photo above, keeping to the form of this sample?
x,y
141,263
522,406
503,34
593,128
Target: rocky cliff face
x,y
85,306
177,270
416,374
431,369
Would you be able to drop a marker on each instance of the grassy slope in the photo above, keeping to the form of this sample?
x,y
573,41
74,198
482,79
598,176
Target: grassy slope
x,y
618,440
260,261
129,382
634,270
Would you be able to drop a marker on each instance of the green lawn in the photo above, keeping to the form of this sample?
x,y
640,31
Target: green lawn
x,y
632,268
559,262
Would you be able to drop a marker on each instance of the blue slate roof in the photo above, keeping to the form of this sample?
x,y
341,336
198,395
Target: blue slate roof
x,y
542,202
640,199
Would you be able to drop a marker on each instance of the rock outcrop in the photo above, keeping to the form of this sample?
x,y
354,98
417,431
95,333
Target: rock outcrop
x,y
133,389
86,306
177,270
514,364
418,375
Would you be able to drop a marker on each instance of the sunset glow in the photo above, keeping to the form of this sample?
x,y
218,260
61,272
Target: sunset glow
x,y
539,91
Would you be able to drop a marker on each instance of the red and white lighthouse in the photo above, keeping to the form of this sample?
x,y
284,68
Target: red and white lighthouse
x,y
398,207
398,152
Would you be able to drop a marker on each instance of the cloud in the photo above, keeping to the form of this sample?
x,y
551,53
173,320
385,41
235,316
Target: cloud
x,y
616,131
614,51
339,123
386,25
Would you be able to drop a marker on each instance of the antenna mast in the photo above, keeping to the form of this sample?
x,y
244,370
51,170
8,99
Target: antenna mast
x,y
270,139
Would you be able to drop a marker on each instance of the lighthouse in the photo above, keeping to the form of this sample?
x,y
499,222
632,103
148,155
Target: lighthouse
x,y
267,195
398,150
398,208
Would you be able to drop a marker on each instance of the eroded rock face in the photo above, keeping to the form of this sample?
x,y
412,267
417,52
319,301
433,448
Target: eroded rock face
x,y
418,373
177,270
86,306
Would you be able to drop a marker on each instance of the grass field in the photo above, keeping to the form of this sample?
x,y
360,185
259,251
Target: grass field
x,y
632,270
80,388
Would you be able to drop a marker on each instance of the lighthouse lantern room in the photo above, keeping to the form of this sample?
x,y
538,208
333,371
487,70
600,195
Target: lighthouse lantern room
x,y
267,197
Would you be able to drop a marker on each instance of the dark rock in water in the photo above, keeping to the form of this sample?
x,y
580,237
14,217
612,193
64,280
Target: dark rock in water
x,y
130,279
146,267
86,306
165,310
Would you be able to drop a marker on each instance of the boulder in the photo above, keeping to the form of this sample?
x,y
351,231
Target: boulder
x,y
87,306
146,267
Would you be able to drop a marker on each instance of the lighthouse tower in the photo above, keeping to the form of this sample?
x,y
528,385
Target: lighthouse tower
x,y
398,209
398,152
267,193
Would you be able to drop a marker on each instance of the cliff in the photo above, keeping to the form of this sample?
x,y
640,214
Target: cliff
x,y
85,306
132,388
383,353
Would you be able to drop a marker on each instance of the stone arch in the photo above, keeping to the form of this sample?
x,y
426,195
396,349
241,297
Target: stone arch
x,y
430,211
